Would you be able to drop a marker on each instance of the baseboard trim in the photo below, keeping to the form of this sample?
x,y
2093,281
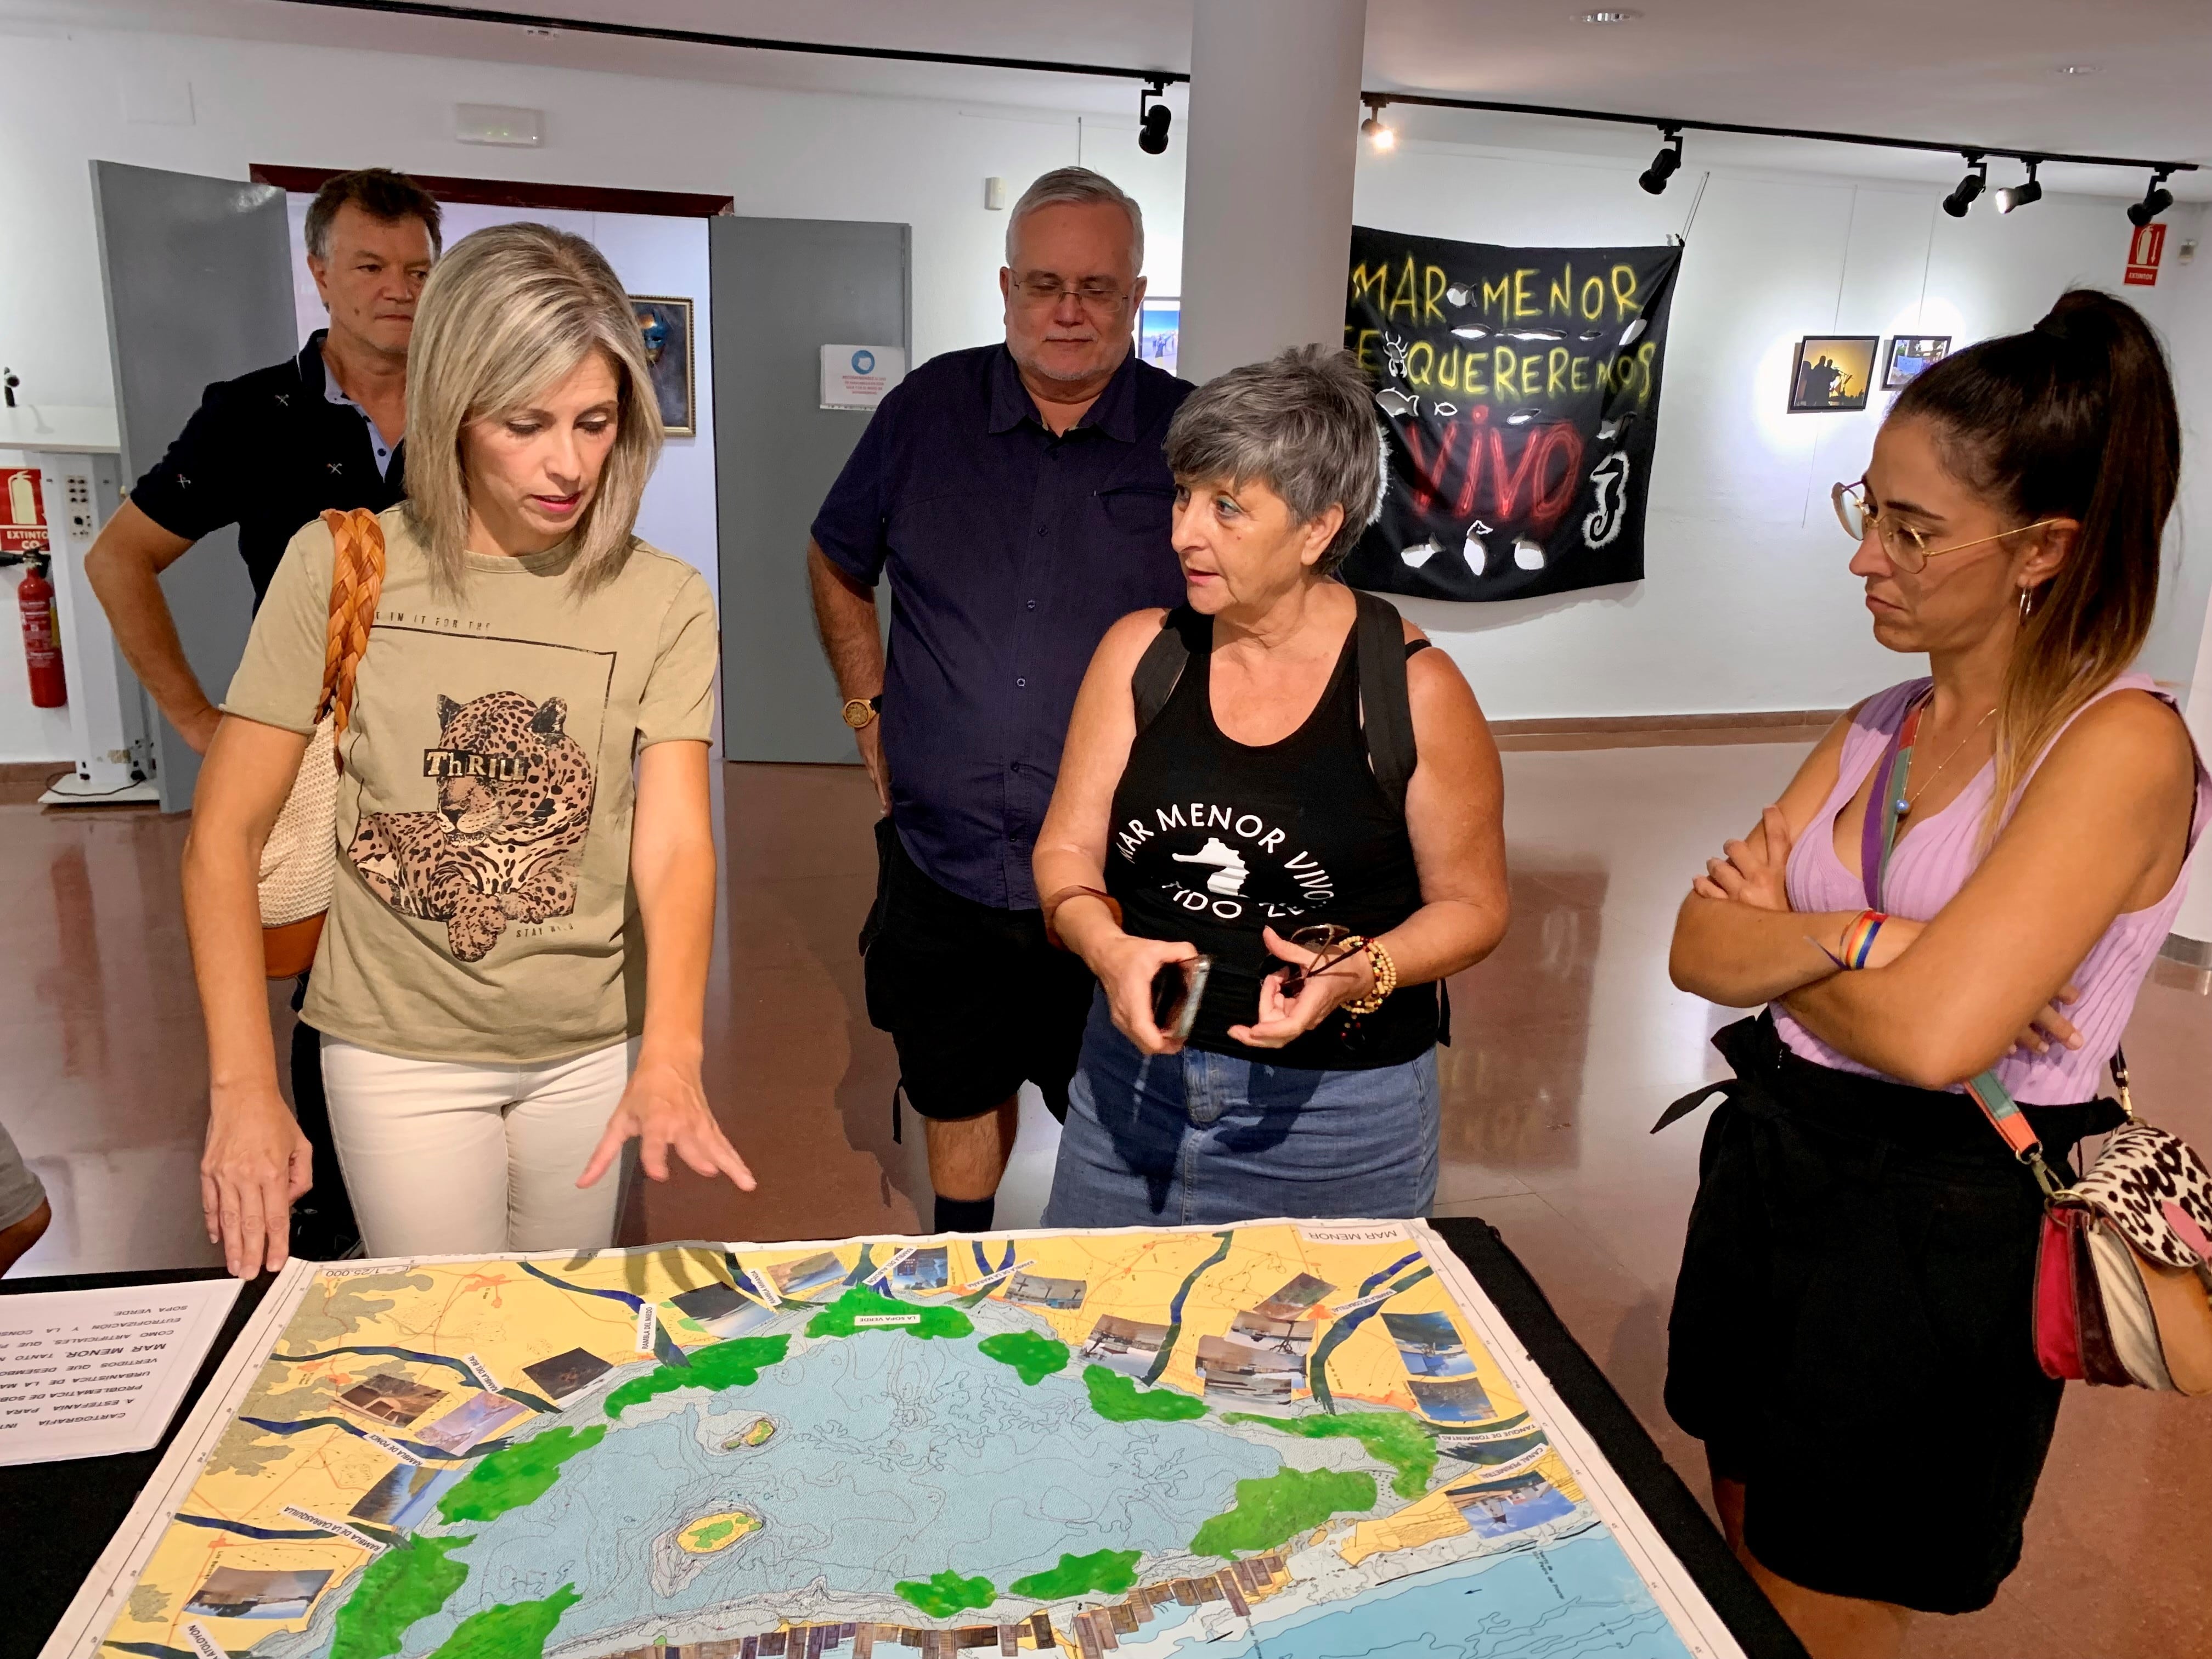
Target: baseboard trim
x,y
24,781
1661,731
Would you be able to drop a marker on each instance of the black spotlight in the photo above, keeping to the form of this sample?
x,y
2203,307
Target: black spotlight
x,y
1971,186
1665,164
2020,195
1153,120
2155,201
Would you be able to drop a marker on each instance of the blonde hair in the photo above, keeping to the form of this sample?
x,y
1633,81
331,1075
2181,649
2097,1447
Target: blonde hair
x,y
510,311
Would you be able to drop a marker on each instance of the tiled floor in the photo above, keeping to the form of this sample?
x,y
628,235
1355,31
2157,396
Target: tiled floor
x,y
1569,1042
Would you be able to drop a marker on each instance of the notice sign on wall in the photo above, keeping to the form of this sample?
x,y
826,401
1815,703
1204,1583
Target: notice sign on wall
x,y
23,518
2145,249
858,376
1520,390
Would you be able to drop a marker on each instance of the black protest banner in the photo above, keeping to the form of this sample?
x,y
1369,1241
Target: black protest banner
x,y
1520,389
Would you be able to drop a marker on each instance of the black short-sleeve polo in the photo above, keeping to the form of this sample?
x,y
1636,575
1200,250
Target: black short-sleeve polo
x,y
1011,552
267,452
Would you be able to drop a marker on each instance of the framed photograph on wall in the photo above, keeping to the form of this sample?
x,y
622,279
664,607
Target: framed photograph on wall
x,y
667,326
1833,372
1909,354
1159,329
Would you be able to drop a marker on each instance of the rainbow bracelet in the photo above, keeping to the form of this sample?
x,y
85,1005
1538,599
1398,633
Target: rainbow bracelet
x,y
1859,937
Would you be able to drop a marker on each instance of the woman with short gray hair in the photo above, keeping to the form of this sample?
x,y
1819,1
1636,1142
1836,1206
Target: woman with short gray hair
x,y
1278,826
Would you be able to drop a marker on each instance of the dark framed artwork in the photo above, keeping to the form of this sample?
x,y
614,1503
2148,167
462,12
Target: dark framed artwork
x,y
1833,372
1910,353
667,326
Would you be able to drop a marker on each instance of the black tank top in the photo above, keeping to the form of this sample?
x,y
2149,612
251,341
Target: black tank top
x,y
1212,840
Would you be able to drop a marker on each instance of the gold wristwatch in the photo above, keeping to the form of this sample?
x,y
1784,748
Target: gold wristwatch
x,y
858,711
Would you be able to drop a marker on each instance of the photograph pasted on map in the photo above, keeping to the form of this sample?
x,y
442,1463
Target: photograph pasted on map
x,y
928,1268
806,1272
480,1417
1462,1401
1294,1299
403,1496
1429,1345
1060,1293
1488,1452
1494,1508
721,1312
244,1593
1127,1346
1237,1371
1293,1337
396,1400
566,1374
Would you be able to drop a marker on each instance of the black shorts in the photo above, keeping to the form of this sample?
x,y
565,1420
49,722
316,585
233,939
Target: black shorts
x,y
975,1000
1851,1333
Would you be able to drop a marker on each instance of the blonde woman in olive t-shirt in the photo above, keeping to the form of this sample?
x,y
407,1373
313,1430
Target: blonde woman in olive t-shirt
x,y
522,807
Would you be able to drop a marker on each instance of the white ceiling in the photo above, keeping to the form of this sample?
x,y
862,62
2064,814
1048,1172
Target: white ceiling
x,y
1973,71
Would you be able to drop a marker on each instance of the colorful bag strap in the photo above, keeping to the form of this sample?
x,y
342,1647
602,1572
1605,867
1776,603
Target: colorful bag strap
x,y
1877,842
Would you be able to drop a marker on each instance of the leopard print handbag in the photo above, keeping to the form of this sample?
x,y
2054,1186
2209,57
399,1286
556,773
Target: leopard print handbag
x,y
2123,1285
299,861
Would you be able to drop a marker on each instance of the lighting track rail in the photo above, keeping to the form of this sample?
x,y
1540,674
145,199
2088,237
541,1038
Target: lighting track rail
x,y
1167,77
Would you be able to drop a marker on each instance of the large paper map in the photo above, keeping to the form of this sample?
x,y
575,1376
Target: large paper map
x,y
1278,1440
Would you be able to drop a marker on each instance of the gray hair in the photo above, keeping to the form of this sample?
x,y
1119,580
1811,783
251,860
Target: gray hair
x,y
1304,424
1079,187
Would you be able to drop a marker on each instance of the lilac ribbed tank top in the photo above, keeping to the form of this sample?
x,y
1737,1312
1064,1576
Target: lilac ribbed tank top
x,y
1931,861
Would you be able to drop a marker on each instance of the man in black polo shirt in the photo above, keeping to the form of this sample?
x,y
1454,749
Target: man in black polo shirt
x,y
1018,496
269,451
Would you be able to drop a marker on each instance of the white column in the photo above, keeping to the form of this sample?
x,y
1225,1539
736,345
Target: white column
x,y
1273,134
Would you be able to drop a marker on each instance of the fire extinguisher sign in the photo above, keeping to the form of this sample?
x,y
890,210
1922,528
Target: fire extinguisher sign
x,y
22,517
2145,249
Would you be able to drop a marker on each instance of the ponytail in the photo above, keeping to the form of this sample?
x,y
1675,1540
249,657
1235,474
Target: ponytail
x,y
2075,419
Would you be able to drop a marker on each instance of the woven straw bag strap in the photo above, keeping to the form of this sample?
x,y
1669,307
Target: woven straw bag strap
x,y
356,584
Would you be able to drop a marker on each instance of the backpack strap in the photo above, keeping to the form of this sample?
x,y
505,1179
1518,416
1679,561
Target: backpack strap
x,y
1386,711
1160,671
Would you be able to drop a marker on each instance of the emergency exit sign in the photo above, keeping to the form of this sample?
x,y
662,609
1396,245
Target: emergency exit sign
x,y
2145,248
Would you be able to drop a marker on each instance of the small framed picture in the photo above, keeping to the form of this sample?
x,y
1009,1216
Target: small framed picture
x,y
667,327
1909,354
1834,372
1160,328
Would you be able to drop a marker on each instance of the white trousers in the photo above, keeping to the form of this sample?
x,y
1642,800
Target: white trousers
x,y
448,1159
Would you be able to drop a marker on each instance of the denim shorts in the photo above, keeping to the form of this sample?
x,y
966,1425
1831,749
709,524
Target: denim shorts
x,y
1208,1139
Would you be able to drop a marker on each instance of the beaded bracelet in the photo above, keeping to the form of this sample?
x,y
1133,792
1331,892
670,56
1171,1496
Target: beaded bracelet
x,y
1859,937
1385,980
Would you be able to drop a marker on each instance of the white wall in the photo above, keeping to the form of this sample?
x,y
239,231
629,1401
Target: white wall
x,y
663,258
1747,603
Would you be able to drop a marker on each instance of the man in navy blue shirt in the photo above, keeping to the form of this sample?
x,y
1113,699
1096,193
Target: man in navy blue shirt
x,y
1018,496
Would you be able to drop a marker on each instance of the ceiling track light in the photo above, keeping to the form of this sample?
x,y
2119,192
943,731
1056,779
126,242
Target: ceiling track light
x,y
2155,200
1374,130
2015,196
1665,165
1976,181
1153,119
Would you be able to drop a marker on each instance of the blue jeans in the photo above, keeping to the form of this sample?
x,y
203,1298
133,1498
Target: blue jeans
x,y
1211,1139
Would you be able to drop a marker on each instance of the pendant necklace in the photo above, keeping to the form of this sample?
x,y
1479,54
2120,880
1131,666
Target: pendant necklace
x,y
1905,806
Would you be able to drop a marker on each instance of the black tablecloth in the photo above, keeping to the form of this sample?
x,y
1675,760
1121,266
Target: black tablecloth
x,y
56,1517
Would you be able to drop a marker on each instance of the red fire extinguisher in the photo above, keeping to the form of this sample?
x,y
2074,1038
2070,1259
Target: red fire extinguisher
x,y
42,642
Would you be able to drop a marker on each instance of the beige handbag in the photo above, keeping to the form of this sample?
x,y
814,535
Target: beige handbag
x,y
298,861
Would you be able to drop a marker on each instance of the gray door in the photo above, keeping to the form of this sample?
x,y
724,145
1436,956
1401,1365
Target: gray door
x,y
783,289
199,289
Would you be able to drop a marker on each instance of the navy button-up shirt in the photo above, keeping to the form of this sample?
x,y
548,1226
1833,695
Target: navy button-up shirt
x,y
1010,553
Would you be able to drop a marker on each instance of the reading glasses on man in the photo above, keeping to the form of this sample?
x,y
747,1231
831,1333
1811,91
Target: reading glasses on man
x,y
1042,288
1909,550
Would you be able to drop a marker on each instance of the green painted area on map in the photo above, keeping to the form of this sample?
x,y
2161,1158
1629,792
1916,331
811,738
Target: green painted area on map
x,y
840,1317
947,1593
724,1365
1281,1506
518,1475
1034,1357
1119,1400
1390,1438
513,1630
399,1587
1109,1570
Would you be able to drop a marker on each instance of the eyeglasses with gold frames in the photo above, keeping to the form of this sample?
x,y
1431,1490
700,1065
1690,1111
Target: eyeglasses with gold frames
x,y
1042,288
1908,549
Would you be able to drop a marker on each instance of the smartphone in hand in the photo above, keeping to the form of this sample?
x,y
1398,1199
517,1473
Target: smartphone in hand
x,y
1176,989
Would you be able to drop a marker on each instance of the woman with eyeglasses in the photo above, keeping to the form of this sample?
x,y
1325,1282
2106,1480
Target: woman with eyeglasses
x,y
1963,887
1278,826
